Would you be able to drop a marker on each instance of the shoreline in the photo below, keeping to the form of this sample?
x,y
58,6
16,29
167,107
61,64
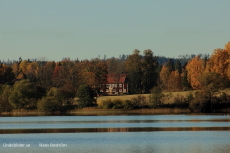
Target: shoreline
x,y
109,112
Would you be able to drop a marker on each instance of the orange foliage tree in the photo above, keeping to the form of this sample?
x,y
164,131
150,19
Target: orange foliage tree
x,y
170,81
195,68
164,77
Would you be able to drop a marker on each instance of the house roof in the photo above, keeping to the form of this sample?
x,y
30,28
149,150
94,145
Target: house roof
x,y
112,78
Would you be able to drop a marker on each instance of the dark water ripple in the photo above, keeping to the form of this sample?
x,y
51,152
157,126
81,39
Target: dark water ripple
x,y
112,121
79,124
90,130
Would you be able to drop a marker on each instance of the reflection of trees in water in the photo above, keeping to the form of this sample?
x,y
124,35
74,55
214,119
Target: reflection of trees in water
x,y
95,130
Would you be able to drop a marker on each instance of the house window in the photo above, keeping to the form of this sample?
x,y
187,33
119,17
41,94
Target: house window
x,y
115,85
120,90
114,90
107,90
107,85
124,90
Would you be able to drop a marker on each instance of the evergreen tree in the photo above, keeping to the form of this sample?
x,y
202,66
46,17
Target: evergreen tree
x,y
149,64
178,66
134,69
185,83
86,96
170,65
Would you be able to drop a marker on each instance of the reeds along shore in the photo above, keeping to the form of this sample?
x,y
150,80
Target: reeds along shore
x,y
102,112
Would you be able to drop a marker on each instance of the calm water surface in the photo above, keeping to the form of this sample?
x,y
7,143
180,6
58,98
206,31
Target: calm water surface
x,y
147,133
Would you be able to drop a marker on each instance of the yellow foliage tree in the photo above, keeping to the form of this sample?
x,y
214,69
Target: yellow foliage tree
x,y
195,68
170,81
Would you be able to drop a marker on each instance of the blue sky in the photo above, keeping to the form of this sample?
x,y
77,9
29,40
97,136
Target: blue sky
x,y
85,29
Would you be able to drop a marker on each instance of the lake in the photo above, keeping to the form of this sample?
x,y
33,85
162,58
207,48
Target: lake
x,y
141,133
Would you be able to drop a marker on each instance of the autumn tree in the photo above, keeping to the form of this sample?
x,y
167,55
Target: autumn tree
x,y
195,68
186,85
76,74
32,71
218,62
113,65
100,73
133,67
6,74
15,68
178,66
170,76
116,68
164,77
155,98
212,81
201,102
174,83
45,74
24,94
93,72
52,102
23,66
170,65
59,76
149,64
4,98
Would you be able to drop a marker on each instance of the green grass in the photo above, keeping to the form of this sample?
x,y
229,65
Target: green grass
x,y
121,97
129,97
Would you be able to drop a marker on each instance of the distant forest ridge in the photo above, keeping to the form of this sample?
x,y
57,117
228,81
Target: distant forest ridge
x,y
161,59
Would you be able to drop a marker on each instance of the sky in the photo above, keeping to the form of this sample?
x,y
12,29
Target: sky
x,y
85,29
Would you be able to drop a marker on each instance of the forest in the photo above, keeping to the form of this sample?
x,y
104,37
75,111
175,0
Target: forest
x,y
52,86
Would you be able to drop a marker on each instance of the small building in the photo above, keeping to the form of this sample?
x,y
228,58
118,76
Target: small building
x,y
115,84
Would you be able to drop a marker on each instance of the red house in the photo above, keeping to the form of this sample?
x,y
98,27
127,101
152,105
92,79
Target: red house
x,y
116,83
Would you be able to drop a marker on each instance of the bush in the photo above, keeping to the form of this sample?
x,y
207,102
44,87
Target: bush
x,y
139,102
107,104
127,104
201,102
49,104
117,104
155,99
120,104
54,101
4,99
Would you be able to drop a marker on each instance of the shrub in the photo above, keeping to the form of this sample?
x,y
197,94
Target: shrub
x,y
127,104
156,97
117,104
49,104
139,102
201,102
107,104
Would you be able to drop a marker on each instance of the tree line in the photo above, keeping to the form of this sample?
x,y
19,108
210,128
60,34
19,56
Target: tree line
x,y
51,86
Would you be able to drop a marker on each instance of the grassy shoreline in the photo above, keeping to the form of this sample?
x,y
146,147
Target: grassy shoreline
x,y
129,97
100,111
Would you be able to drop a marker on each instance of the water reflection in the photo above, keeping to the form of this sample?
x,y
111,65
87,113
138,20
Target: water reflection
x,y
152,133
79,124
90,130
111,121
